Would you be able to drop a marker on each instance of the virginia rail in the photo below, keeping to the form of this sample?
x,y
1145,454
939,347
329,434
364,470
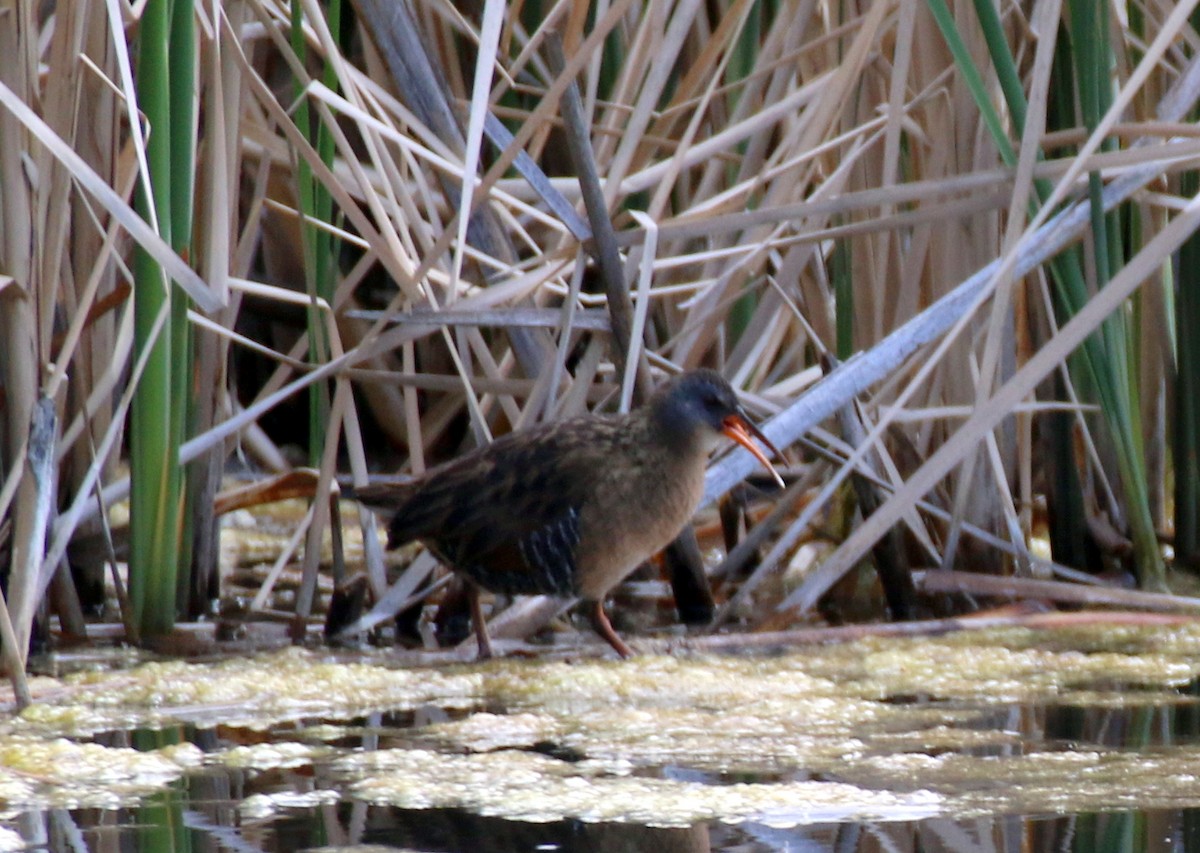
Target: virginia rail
x,y
571,507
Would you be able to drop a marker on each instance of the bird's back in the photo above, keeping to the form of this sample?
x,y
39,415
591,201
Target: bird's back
x,y
508,515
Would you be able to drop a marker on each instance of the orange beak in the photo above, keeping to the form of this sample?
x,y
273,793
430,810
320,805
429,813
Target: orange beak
x,y
743,432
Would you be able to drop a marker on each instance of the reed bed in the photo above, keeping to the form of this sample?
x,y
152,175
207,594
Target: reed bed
x,y
983,214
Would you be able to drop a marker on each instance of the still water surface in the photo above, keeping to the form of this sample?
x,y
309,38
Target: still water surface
x,y
980,741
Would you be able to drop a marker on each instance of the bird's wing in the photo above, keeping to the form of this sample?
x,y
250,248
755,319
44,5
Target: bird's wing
x,y
508,516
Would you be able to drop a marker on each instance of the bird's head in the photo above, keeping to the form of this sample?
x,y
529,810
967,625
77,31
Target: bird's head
x,y
698,407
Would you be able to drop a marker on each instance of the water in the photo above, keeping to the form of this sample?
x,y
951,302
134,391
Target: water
x,y
998,740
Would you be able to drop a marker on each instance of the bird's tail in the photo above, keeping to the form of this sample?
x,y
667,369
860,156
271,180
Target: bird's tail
x,y
380,493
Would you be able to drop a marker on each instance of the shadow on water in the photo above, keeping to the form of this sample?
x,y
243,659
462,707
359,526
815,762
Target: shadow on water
x,y
999,745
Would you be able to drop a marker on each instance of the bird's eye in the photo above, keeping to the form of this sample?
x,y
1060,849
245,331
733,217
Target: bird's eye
x,y
714,402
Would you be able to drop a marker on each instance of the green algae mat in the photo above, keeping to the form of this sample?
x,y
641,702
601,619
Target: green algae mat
x,y
875,729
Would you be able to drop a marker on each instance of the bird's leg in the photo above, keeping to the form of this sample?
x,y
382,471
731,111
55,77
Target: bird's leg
x,y
483,641
604,628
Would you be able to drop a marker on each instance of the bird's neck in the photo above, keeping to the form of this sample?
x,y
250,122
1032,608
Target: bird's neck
x,y
674,436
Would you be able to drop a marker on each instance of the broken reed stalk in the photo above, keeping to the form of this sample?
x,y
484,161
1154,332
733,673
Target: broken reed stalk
x,y
606,252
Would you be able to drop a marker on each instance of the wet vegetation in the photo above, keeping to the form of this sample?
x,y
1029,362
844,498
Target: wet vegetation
x,y
969,726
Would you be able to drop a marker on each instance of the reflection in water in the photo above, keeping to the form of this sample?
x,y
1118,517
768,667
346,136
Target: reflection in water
x,y
869,748
207,809
176,822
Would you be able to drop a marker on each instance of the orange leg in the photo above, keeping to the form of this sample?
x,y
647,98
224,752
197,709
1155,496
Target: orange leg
x,y
482,640
605,629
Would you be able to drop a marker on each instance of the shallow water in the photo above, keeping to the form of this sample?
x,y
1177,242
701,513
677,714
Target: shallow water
x,y
981,740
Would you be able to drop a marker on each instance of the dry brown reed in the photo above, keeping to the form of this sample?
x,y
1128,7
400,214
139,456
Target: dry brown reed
x,y
740,149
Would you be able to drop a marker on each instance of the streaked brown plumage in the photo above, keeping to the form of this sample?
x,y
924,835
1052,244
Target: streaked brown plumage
x,y
571,507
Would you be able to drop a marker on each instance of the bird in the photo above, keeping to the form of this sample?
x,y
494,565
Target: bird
x,y
570,507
